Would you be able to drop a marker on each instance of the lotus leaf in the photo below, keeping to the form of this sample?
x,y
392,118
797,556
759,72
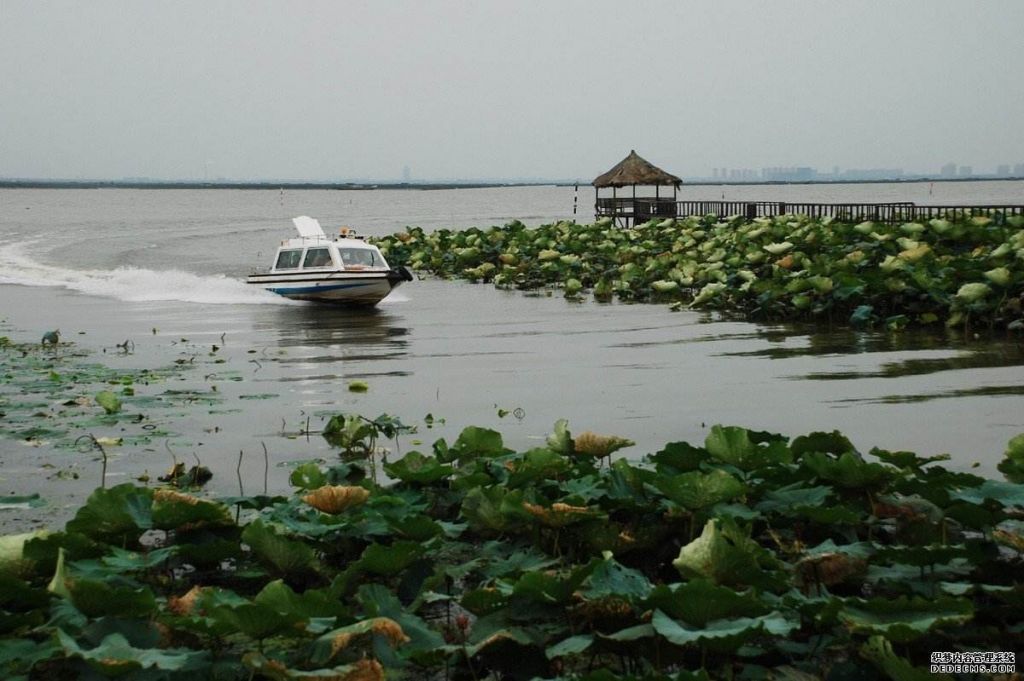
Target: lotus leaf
x,y
778,248
879,652
109,401
699,602
1012,465
560,514
118,514
560,440
696,490
328,646
848,470
334,499
600,446
904,619
971,293
13,562
390,560
726,555
417,468
284,555
574,645
723,635
114,656
999,276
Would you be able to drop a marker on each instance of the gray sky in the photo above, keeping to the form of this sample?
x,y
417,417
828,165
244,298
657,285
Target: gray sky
x,y
338,90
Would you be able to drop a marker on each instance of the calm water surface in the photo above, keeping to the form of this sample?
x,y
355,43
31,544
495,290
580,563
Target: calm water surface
x,y
119,264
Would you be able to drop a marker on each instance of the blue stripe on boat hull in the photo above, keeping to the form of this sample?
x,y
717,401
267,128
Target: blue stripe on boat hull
x,y
291,290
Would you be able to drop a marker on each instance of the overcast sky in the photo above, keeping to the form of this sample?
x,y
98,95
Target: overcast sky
x,y
340,90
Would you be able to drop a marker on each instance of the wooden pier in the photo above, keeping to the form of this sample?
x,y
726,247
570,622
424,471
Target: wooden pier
x,y
630,210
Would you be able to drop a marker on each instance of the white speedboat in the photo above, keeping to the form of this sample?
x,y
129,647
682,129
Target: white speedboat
x,y
345,270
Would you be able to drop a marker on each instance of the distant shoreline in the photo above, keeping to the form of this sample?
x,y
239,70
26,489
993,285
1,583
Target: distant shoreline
x,y
425,186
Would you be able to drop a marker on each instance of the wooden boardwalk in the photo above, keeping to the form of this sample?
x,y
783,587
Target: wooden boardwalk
x,y
639,210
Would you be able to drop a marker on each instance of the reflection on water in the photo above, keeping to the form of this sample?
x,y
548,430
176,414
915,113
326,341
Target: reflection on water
x,y
982,391
310,335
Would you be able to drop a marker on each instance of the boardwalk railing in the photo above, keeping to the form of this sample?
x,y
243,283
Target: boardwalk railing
x,y
638,210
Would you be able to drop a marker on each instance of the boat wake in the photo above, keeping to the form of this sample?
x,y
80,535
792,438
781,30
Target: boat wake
x,y
130,283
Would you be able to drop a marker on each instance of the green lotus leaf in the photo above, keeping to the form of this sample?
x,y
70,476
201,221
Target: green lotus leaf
x,y
284,555
473,442
115,656
120,561
307,476
778,248
904,619
1012,465
679,457
177,511
848,470
999,276
547,588
254,620
832,443
791,498
118,515
878,650
311,603
574,645
377,601
417,468
390,560
709,292
331,643
1004,493
726,555
972,293
95,598
611,579
537,464
13,561
696,490
560,440
494,508
110,402
699,602
722,635
21,502
733,445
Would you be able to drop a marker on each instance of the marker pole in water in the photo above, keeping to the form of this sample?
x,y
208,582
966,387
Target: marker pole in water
x,y
575,198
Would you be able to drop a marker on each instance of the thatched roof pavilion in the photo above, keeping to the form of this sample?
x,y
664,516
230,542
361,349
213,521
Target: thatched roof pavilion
x,y
630,172
634,170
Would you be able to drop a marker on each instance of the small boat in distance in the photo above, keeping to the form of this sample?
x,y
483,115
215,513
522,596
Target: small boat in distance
x,y
343,271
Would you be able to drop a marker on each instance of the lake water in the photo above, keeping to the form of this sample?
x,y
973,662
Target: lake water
x,y
162,269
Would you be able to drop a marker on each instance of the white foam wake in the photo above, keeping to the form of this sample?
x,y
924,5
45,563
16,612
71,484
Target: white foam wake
x,y
130,283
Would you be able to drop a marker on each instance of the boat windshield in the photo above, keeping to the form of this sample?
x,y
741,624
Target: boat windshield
x,y
317,257
360,257
288,260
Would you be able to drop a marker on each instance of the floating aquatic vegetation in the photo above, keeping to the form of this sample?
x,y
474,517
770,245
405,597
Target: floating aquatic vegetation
x,y
786,267
741,552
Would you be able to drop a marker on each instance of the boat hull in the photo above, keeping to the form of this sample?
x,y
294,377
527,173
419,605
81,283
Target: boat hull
x,y
336,288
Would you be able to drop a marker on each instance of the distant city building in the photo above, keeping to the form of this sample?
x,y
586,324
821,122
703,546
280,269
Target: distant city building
x,y
1018,170
873,173
948,170
1003,170
790,174
965,171
406,174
